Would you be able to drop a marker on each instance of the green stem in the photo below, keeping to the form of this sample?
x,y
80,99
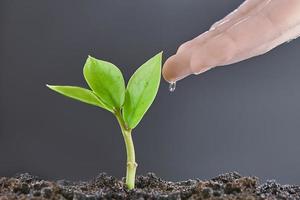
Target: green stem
x,y
131,164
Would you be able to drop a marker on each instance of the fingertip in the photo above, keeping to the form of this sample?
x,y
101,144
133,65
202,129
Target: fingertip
x,y
176,68
166,71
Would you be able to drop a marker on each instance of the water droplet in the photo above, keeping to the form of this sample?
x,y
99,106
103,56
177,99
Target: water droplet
x,y
172,86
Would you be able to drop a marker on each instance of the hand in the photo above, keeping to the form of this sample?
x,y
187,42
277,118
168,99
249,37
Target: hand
x,y
254,28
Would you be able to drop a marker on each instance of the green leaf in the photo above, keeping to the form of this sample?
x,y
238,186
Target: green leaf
x,y
106,80
80,94
141,91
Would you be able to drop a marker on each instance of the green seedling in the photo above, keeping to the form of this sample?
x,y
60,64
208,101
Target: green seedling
x,y
128,105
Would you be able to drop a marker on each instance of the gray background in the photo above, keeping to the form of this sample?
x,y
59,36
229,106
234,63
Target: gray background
x,y
243,117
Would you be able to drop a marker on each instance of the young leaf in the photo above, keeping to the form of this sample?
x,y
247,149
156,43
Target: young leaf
x,y
106,80
141,91
80,94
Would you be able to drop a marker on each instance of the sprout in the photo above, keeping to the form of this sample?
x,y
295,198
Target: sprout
x,y
128,105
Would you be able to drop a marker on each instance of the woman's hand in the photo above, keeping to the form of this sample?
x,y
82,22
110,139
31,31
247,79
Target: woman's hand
x,y
254,28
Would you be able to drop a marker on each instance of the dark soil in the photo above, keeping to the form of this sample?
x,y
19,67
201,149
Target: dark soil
x,y
226,186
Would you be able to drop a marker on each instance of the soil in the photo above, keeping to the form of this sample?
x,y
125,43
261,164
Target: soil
x,y
227,186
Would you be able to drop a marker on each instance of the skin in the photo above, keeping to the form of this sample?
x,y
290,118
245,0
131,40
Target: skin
x,y
254,28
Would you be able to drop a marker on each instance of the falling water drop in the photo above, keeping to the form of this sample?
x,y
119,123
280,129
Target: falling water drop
x,y
172,86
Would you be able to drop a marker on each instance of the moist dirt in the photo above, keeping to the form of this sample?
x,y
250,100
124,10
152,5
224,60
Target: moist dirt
x,y
231,186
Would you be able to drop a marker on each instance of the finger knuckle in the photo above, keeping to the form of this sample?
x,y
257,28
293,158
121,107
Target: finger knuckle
x,y
185,46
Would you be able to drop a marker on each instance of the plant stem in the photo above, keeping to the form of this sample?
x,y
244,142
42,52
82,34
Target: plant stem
x,y
131,164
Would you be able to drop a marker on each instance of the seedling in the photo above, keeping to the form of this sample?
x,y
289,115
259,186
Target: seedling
x,y
128,105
